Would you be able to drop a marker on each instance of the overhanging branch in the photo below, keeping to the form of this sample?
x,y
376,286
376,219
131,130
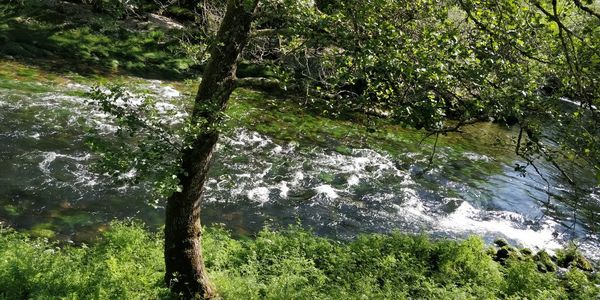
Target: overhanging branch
x,y
586,9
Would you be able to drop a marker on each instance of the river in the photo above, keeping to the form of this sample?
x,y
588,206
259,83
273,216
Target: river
x,y
48,188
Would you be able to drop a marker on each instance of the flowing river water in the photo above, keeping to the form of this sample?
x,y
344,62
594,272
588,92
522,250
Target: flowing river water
x,y
48,188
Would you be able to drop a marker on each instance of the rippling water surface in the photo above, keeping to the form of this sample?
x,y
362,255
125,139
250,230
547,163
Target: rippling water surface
x,y
46,185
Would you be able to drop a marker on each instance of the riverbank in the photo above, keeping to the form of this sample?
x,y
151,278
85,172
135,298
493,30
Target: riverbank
x,y
126,263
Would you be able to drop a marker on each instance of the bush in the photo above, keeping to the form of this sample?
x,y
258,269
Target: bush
x,y
124,264
127,263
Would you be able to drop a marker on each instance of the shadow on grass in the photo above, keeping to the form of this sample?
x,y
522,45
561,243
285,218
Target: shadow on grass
x,y
64,37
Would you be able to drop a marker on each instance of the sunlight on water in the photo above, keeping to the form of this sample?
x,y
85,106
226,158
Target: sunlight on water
x,y
365,191
256,180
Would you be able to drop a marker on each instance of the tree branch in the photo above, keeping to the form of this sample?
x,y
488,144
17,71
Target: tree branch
x,y
586,9
491,32
554,17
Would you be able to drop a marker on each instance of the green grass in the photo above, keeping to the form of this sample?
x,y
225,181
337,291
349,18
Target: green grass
x,y
127,263
66,38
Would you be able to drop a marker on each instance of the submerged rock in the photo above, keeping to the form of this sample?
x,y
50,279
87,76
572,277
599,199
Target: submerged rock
x,y
501,242
526,252
505,253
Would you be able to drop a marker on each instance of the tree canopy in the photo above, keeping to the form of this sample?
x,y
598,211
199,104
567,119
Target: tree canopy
x,y
432,65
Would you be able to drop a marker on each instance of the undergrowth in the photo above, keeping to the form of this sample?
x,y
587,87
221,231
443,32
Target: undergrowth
x,y
127,263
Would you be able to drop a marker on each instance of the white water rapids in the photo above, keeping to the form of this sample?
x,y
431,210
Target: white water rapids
x,y
256,180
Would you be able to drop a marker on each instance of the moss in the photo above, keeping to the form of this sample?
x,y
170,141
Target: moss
x,y
24,87
571,257
526,252
11,210
75,220
240,159
326,177
28,79
343,150
26,72
582,263
491,251
544,262
287,120
43,230
506,253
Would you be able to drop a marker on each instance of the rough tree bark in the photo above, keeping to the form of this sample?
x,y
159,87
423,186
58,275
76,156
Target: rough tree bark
x,y
185,271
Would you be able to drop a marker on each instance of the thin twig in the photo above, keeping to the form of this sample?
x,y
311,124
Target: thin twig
x,y
434,149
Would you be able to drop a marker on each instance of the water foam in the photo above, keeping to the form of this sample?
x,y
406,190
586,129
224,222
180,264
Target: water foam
x,y
79,171
392,198
257,178
327,190
468,219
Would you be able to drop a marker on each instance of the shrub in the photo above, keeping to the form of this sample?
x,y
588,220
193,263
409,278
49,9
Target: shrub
x,y
126,262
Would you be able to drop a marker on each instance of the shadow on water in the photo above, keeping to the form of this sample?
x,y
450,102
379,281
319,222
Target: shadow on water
x,y
62,37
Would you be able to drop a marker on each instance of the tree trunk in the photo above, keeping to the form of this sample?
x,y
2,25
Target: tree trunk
x,y
185,271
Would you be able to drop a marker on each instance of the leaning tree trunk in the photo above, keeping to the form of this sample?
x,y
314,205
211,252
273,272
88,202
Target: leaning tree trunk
x,y
185,271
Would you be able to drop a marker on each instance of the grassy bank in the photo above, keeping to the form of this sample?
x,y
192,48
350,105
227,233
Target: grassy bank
x,y
126,263
65,37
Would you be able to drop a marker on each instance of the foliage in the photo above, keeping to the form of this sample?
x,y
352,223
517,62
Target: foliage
x,y
440,66
120,266
422,64
147,140
126,263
